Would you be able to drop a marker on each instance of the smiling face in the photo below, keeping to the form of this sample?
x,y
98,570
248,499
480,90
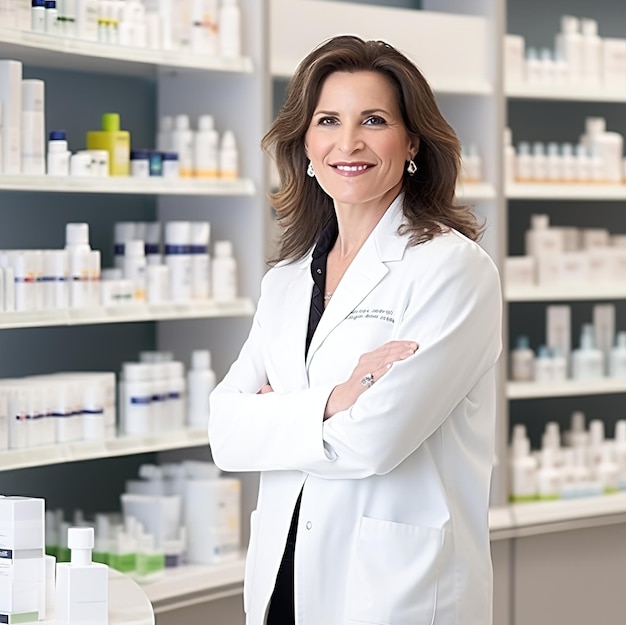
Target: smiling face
x,y
357,141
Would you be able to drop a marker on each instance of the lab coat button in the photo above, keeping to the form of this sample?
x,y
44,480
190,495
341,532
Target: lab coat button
x,y
309,525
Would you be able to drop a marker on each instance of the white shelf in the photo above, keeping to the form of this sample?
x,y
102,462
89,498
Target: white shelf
x,y
540,512
565,293
127,185
562,191
565,92
90,450
569,388
195,578
74,54
126,314
475,191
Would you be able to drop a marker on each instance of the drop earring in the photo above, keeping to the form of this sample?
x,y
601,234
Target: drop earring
x,y
411,168
309,170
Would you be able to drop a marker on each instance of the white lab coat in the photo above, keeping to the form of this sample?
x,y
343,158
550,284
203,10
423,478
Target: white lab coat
x,y
393,523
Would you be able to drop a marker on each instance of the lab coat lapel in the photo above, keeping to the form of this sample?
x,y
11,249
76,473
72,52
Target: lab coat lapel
x,y
364,273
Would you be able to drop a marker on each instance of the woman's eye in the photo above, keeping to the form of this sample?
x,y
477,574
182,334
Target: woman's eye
x,y
327,121
375,120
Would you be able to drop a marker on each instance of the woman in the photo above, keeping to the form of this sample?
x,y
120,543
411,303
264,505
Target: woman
x,y
375,454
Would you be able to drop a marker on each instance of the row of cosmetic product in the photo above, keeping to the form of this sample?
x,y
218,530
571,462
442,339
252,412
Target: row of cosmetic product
x,y
171,514
58,408
596,158
580,57
34,586
201,152
208,27
567,256
72,278
182,262
600,354
155,394
587,464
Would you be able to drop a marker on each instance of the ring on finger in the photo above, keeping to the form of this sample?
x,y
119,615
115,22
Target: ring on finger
x,y
367,380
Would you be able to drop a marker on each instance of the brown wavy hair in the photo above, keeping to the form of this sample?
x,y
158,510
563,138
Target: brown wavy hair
x,y
303,208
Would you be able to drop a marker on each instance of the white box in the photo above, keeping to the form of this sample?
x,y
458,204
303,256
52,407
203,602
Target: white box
x,y
519,271
600,265
574,268
614,63
571,237
514,59
540,242
548,270
595,237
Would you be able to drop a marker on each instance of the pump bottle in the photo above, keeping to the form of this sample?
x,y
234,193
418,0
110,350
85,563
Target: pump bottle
x,y
115,141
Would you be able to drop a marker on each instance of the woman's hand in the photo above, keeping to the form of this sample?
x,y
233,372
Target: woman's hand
x,y
266,389
371,367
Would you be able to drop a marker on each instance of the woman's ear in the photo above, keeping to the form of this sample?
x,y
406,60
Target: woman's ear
x,y
414,148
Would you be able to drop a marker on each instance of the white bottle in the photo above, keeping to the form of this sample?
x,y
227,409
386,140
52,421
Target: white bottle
x,y
617,357
33,128
591,53
224,273
547,68
549,477
524,163
559,365
568,163
587,361
582,164
38,16
178,259
87,20
570,44
595,451
607,470
523,467
58,154
79,251
229,34
577,435
135,394
200,260
522,361
200,384
82,586
542,240
52,18
543,369
620,451
554,163
509,156
539,162
609,145
229,157
134,268
533,67
182,144
204,27
206,149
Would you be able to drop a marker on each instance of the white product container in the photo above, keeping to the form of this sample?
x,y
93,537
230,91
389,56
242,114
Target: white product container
x,y
176,411
200,384
33,127
541,240
82,586
229,156
38,16
182,143
224,273
205,27
200,260
157,284
543,369
178,259
136,405
523,163
11,98
569,43
509,156
591,53
134,268
52,18
206,149
123,231
617,357
587,361
58,154
608,146
152,240
522,361
230,29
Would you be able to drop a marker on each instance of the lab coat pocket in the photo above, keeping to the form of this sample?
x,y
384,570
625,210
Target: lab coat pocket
x,y
393,573
250,560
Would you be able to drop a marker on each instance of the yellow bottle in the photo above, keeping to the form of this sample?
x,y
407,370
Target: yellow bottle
x,y
115,141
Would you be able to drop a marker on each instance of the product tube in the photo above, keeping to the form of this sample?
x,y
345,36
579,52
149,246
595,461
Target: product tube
x,y
200,260
11,98
178,259
33,127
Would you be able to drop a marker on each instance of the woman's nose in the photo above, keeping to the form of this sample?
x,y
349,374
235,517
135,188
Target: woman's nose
x,y
350,140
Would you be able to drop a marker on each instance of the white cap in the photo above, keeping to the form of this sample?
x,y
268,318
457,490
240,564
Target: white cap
x,y
519,431
182,122
77,234
177,232
538,148
201,359
567,149
577,421
223,248
539,222
205,122
136,372
124,231
80,537
166,123
553,148
595,125
134,248
200,233
589,27
228,141
570,24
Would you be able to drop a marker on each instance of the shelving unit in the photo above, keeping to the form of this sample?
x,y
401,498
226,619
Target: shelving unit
x,y
568,388
575,192
565,93
170,82
587,292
